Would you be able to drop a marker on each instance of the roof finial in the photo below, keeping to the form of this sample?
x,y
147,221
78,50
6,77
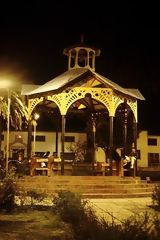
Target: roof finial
x,y
82,38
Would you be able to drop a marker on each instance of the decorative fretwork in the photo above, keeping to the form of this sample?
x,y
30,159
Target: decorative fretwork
x,y
66,99
32,103
117,100
60,100
133,106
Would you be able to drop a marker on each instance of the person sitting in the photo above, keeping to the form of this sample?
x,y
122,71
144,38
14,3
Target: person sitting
x,y
46,154
127,162
100,160
133,157
115,155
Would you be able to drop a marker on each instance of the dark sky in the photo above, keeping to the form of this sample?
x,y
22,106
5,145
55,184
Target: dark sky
x,y
33,35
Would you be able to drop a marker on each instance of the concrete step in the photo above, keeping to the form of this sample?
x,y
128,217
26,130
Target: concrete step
x,y
89,186
114,195
70,178
77,179
86,186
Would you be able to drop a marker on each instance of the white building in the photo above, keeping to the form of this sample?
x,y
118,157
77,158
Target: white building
x,y
148,146
45,141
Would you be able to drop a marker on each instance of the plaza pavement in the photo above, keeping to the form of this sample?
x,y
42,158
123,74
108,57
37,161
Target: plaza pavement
x,y
121,208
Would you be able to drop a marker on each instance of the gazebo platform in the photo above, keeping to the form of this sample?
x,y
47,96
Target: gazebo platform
x,y
91,187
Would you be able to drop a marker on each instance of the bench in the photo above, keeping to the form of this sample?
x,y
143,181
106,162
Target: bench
x,y
44,166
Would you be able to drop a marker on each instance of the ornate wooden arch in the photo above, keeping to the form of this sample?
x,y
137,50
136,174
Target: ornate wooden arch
x,y
32,103
131,103
133,106
65,99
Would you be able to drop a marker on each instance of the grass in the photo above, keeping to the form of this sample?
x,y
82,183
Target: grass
x,y
41,222
31,224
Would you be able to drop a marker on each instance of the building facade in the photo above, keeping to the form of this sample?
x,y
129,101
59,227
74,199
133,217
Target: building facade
x,y
148,146
44,142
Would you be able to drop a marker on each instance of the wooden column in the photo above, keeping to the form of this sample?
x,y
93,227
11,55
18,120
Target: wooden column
x,y
62,144
110,142
134,146
125,132
135,134
29,140
57,127
93,119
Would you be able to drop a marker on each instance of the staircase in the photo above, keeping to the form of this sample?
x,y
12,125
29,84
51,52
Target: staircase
x,y
89,186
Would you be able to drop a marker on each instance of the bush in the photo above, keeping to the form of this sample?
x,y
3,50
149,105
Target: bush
x,y
36,197
69,207
7,192
156,195
86,224
21,167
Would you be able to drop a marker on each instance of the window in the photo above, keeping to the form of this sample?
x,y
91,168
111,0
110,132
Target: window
x,y
39,154
40,138
69,139
152,141
82,58
153,160
68,156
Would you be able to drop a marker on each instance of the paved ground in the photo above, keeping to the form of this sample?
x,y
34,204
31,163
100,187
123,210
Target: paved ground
x,y
121,208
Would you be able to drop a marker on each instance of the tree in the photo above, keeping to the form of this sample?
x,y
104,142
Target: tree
x,y
18,112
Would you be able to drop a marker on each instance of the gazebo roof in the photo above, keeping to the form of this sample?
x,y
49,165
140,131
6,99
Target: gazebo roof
x,y
28,88
131,92
59,81
77,77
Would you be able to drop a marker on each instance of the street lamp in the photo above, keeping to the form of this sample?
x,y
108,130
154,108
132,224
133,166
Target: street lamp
x,y
35,118
6,84
8,128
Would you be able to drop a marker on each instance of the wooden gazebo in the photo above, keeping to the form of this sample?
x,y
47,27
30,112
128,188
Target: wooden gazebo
x,y
82,91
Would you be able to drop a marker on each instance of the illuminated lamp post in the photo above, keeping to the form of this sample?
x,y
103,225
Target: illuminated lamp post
x,y
5,84
35,118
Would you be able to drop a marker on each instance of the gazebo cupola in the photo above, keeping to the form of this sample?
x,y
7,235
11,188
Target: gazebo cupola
x,y
81,56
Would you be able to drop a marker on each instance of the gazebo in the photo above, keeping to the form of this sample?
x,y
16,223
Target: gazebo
x,y
109,110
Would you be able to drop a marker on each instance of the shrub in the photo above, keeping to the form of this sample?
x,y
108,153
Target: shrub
x,y
22,168
7,192
36,196
21,197
156,195
69,207
87,225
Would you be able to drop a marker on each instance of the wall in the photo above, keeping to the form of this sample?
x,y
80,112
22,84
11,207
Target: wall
x,y
142,145
18,140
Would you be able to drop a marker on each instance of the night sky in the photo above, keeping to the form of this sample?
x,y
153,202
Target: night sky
x,y
33,35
